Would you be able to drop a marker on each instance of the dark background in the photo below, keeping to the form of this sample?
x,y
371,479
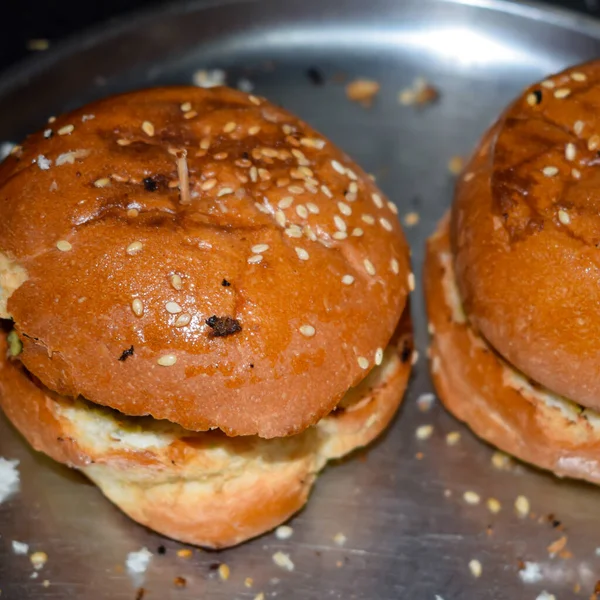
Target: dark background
x,y
52,20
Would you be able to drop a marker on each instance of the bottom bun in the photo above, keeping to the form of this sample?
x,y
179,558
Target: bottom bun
x,y
498,402
202,488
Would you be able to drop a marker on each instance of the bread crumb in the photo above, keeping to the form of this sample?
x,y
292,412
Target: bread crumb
x,y
260,596
419,94
283,561
9,478
224,572
46,583
558,545
20,547
180,582
546,596
530,573
522,506
284,532
475,568
447,493
362,91
424,432
494,505
137,562
184,553
339,563
425,402
455,165
501,461
339,539
248,582
38,560
411,219
472,498
453,438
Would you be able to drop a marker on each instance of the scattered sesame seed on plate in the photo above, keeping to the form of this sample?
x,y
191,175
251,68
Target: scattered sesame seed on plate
x,y
471,497
255,259
563,217
369,267
493,505
38,560
363,362
148,128
224,572
411,219
475,568
302,253
522,506
424,432
134,248
453,438
137,307
307,330
64,246
347,279
167,360
66,130
283,561
339,539
378,356
259,248
173,308
425,402
284,532
501,461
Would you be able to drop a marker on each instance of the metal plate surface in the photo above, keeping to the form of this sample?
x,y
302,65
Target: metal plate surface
x,y
410,535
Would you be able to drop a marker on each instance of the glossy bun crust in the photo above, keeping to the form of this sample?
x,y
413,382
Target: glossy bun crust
x,y
525,234
206,227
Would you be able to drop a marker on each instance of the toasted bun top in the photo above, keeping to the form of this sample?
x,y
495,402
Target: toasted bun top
x,y
205,228
525,234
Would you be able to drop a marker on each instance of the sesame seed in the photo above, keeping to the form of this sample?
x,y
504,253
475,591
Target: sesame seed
x,y
301,211
424,432
411,219
255,259
302,253
296,189
501,461
393,207
368,219
453,438
284,532
378,356
471,497
148,128
221,156
186,106
133,212
353,187
338,167
190,114
562,93
66,130
205,143
369,268
229,127
594,142
264,174
385,224
209,184
563,217
224,572
327,191
468,176
224,192
339,235
522,506
253,174
548,84
280,218
347,279
339,223
357,232
411,282
307,330
578,127
254,100
173,308
259,248
395,266
532,99
475,568
123,142
137,307
283,560
577,76
63,246
176,281
576,173
550,171
102,183
294,231
351,174
377,200
493,505
312,208
134,247
48,133
570,151
253,130
344,209
363,363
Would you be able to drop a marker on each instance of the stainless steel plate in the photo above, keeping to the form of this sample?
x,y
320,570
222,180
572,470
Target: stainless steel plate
x,y
409,532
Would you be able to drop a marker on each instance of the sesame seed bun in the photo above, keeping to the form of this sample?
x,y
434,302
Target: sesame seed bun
x,y
525,233
202,488
497,401
200,256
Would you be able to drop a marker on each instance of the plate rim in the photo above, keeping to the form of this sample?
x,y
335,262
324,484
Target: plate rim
x,y
30,66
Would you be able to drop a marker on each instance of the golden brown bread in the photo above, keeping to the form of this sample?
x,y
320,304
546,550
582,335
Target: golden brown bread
x,y
203,488
525,232
500,404
135,220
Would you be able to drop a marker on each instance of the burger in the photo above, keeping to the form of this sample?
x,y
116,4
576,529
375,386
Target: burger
x,y
203,301
513,281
